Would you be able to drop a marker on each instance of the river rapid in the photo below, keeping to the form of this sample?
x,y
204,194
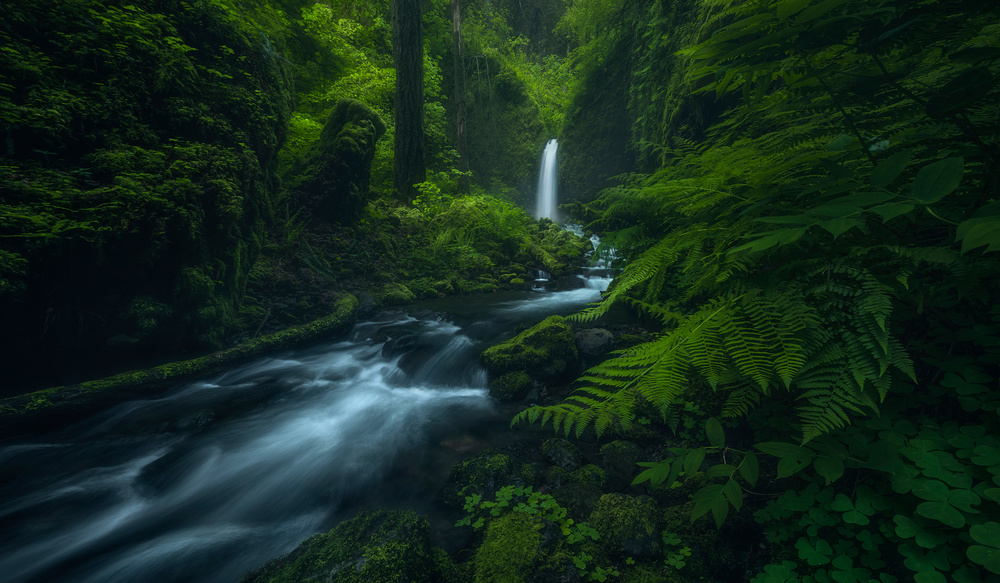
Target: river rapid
x,y
217,476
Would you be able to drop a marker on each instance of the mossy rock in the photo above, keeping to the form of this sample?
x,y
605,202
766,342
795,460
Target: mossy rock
x,y
619,459
557,477
450,571
395,294
334,176
512,386
577,498
655,573
591,474
544,351
484,474
563,453
382,546
629,526
517,282
716,555
510,550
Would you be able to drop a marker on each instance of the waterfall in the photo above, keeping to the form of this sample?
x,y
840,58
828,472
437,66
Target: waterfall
x,y
545,205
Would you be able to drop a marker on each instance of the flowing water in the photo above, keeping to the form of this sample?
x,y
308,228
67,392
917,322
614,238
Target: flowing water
x,y
546,200
218,476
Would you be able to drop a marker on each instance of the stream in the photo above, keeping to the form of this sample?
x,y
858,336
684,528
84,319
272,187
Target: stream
x,y
216,477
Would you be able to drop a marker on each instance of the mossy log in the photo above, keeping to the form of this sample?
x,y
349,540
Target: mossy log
x,y
48,408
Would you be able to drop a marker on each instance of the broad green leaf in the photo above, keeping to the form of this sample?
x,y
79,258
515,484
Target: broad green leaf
x,y
964,500
860,199
720,509
779,448
757,245
716,434
986,556
720,470
978,232
789,236
929,577
986,534
789,220
710,498
890,169
835,211
788,465
838,227
734,493
750,468
657,473
840,143
942,512
985,455
933,490
693,460
905,527
937,180
892,210
830,468
815,554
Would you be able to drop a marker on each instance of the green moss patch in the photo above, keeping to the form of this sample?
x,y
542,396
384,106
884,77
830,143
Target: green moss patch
x,y
380,546
543,351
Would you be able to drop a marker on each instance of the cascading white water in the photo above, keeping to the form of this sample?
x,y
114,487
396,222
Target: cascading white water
x,y
545,198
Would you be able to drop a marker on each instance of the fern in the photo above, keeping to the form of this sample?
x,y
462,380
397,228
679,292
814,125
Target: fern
x,y
750,336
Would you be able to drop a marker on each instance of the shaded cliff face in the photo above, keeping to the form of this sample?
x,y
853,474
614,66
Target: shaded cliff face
x,y
138,166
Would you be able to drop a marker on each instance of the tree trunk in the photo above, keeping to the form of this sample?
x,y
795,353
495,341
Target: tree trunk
x,y
408,57
458,56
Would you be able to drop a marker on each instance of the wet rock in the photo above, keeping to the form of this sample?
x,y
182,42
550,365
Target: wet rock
x,y
578,498
591,474
629,526
562,453
619,459
513,386
594,341
484,474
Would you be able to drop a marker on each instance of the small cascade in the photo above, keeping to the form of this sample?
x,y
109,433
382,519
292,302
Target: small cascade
x,y
545,201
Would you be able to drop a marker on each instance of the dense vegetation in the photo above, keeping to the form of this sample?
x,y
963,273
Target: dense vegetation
x,y
816,230
803,195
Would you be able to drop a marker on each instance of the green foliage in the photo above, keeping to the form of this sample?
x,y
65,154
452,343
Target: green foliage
x,y
824,257
140,142
524,501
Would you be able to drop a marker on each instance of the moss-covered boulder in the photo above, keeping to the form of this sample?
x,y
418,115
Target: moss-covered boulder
x,y
510,550
544,351
334,176
512,386
484,474
591,474
383,546
395,294
629,526
563,453
619,459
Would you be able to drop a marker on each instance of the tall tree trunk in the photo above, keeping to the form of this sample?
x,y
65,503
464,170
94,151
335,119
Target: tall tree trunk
x,y
458,56
408,57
